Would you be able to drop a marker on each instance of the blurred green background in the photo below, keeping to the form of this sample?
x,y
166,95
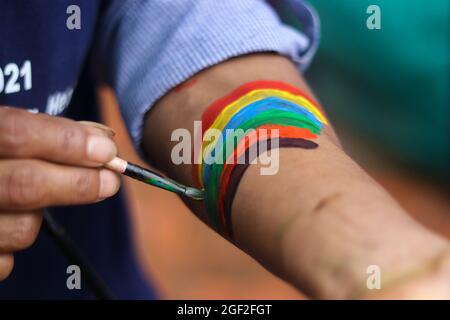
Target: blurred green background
x,y
390,86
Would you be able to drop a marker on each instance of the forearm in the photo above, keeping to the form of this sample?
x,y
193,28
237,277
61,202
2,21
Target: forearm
x,y
320,221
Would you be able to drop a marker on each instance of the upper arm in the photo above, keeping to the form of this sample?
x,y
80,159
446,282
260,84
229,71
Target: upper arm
x,y
146,48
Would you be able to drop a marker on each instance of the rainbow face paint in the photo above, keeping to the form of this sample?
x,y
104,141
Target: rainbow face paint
x,y
269,115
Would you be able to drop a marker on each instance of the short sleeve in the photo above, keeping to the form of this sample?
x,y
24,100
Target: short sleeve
x,y
146,48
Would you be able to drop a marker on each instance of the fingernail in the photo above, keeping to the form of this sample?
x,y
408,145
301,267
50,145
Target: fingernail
x,y
109,184
107,130
100,149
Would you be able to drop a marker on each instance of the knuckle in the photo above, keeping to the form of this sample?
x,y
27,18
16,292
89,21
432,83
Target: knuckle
x,y
13,131
6,265
85,185
70,140
24,185
25,231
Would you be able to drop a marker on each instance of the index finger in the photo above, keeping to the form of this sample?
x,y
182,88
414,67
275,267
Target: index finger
x,y
56,139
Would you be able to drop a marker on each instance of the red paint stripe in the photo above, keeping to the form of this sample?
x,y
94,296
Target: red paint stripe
x,y
244,145
186,85
239,171
216,107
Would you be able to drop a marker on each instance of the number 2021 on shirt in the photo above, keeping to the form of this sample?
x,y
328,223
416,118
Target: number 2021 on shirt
x,y
15,78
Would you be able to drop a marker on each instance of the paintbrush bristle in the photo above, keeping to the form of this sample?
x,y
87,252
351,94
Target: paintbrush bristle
x,y
194,193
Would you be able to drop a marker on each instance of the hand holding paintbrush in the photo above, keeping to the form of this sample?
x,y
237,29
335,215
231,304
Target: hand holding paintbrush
x,y
145,175
153,178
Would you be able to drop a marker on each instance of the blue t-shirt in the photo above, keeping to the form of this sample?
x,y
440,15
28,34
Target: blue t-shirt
x,y
36,43
142,49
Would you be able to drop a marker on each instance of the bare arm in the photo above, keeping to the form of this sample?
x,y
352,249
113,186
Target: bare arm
x,y
321,220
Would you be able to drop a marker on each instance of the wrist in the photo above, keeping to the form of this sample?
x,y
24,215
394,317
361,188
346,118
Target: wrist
x,y
336,259
429,279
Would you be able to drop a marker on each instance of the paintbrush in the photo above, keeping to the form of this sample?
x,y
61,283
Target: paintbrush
x,y
153,178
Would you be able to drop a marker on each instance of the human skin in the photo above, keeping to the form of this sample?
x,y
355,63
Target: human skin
x,y
321,221
47,161
320,235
